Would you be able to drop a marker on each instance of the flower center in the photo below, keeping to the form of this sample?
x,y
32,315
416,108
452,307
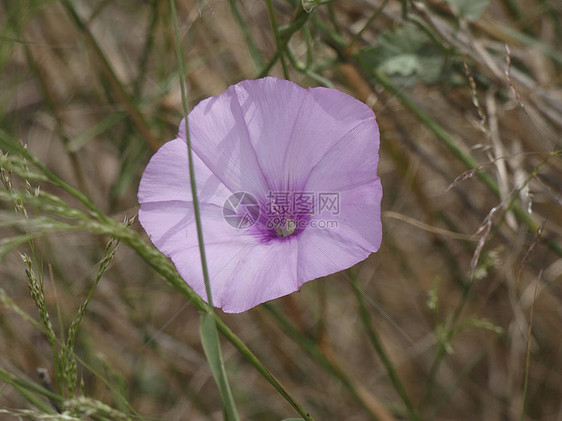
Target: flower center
x,y
283,214
286,229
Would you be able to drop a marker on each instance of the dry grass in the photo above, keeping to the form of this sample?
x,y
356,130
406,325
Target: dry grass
x,y
93,106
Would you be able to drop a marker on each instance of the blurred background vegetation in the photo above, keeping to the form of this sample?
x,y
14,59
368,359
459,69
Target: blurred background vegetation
x,y
457,317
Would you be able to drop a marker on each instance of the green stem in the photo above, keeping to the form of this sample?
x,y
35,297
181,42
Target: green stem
x,y
307,71
280,46
14,380
209,332
255,53
195,199
375,14
285,34
528,352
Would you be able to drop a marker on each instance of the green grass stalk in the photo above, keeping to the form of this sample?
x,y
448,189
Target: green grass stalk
x,y
209,334
280,45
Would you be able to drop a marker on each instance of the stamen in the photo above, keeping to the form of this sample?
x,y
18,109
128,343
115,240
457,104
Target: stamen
x,y
287,229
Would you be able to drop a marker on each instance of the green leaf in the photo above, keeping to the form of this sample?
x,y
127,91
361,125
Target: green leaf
x,y
292,419
471,10
211,346
402,65
406,55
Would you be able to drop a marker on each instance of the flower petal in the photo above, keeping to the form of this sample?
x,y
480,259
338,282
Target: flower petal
x,y
171,226
271,109
266,272
242,273
235,258
166,178
352,160
355,232
222,259
219,137
291,129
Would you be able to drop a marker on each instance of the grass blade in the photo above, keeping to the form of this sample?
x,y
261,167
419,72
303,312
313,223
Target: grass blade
x,y
212,348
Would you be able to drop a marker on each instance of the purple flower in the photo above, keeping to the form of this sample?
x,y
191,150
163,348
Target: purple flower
x,y
288,189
